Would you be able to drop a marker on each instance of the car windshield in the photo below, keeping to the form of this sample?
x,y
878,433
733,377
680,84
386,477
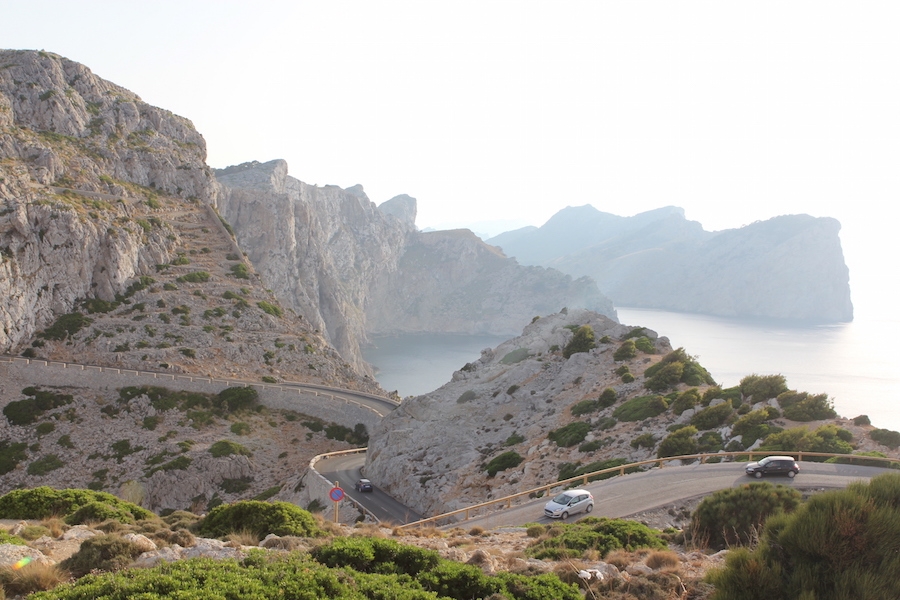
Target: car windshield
x,y
563,498
765,461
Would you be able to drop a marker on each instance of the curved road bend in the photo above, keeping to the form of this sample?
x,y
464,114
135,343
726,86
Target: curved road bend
x,y
627,495
345,470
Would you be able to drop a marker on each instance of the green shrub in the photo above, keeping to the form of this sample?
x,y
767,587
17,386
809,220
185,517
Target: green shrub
x,y
582,341
237,399
627,378
44,502
640,408
236,485
839,544
101,553
240,271
710,441
734,516
507,460
15,540
96,305
11,454
763,387
99,511
679,443
713,416
375,555
827,438
514,439
847,460
607,398
625,351
516,356
44,428
645,440
686,400
227,448
591,446
194,277
27,410
595,533
240,428
270,309
801,406
862,420
692,373
753,426
65,326
584,407
645,345
886,437
570,435
44,465
260,518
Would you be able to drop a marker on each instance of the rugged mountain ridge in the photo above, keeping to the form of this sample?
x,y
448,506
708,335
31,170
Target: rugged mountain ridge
x,y
63,128
361,270
788,267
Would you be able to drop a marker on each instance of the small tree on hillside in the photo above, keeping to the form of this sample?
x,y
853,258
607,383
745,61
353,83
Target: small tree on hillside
x,y
582,341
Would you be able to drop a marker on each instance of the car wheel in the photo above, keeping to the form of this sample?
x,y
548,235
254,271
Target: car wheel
x,y
589,508
791,474
564,516
758,474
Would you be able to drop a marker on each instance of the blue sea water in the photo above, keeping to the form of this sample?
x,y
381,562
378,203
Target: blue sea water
x,y
856,363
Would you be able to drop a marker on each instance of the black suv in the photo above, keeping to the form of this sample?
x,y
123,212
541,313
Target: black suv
x,y
773,465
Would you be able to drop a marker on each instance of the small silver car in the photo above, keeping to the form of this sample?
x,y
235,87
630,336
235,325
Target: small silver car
x,y
568,503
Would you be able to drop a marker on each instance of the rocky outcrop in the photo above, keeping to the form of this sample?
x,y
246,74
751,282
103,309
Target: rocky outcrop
x,y
354,269
789,267
77,154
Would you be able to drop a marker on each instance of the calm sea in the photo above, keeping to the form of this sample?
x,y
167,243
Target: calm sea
x,y
855,363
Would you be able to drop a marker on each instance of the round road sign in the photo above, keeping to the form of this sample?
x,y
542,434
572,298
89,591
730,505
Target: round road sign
x,y
336,494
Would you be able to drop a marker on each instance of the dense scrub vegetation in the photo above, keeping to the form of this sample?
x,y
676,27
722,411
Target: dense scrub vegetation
x,y
840,544
674,368
73,505
735,516
600,534
582,341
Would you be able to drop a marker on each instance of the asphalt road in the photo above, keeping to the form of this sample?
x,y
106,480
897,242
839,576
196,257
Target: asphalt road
x,y
618,497
346,471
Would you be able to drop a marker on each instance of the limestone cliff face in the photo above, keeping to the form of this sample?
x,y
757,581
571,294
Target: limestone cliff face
x,y
788,267
354,269
318,248
76,154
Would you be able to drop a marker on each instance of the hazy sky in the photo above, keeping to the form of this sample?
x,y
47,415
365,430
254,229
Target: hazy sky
x,y
489,111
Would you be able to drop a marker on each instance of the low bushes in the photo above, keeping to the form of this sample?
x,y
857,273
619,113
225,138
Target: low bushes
x,y
227,448
735,516
582,341
640,408
676,367
44,502
595,533
507,460
570,435
839,544
763,387
259,518
679,443
886,437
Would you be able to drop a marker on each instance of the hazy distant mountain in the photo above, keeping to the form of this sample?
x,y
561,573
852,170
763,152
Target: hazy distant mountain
x,y
789,267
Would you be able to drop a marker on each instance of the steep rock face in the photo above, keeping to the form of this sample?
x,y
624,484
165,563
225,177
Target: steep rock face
x,y
450,282
788,267
76,154
318,248
355,269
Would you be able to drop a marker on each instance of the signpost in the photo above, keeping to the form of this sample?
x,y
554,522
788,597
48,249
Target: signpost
x,y
336,494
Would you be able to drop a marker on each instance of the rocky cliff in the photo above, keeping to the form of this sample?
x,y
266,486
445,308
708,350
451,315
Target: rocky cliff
x,y
64,129
789,267
356,269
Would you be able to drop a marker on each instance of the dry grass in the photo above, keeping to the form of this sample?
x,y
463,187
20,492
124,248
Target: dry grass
x,y
420,532
662,559
33,577
244,537
368,530
476,531
620,559
56,526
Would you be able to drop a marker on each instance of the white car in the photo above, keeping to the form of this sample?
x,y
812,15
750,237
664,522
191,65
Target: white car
x,y
568,503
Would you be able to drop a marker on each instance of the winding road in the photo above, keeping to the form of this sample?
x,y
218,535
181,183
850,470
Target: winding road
x,y
618,497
